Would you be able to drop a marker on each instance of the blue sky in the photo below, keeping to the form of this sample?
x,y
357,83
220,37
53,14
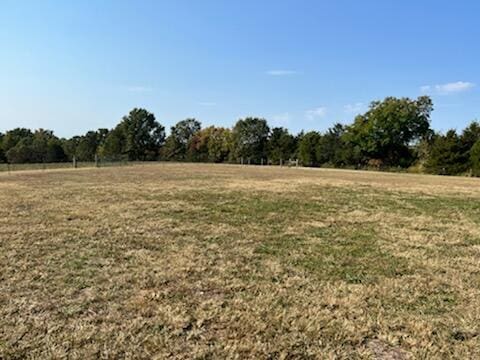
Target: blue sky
x,y
72,66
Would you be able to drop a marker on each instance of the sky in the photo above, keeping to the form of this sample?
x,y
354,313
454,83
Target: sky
x,y
73,66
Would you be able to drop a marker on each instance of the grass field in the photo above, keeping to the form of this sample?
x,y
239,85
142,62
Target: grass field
x,y
218,261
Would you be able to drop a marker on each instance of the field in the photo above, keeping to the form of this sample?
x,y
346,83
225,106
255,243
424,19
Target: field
x,y
223,261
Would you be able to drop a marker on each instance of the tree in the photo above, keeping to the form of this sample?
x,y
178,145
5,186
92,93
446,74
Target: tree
x,y
281,145
470,135
13,137
21,152
220,145
87,146
331,146
475,158
39,145
54,151
389,128
176,145
197,147
446,155
70,147
115,144
2,152
250,139
307,148
143,135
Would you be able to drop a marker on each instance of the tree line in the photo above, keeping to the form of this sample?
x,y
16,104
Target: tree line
x,y
392,134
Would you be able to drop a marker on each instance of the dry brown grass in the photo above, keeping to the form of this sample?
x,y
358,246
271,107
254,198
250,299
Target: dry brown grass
x,y
217,261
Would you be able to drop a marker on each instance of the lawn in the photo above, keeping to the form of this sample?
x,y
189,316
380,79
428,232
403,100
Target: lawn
x,y
222,261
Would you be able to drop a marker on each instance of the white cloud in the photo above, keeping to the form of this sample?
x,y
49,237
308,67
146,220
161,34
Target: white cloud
x,y
356,108
281,72
138,89
207,103
449,88
317,113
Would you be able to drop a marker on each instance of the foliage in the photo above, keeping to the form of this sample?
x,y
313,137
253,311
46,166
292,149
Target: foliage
x,y
281,145
2,152
307,148
394,132
176,145
115,142
210,144
331,146
143,135
475,159
386,131
250,139
38,147
446,155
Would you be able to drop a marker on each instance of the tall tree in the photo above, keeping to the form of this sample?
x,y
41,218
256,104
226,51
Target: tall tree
x,y
2,152
13,137
176,145
115,144
475,158
281,145
250,139
470,135
389,128
220,145
307,148
447,155
143,135
331,146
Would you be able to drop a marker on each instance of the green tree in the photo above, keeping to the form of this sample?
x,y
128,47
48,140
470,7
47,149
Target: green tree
x,y
39,145
21,152
250,139
281,145
307,148
389,128
447,155
176,145
54,151
2,152
87,146
469,137
13,137
220,145
70,147
115,144
331,146
143,135
475,158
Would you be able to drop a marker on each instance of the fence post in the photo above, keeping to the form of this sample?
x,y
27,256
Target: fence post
x,y
281,162
241,160
296,163
248,161
96,160
74,162
261,162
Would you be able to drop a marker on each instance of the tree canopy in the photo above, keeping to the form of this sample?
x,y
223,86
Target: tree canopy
x,y
394,132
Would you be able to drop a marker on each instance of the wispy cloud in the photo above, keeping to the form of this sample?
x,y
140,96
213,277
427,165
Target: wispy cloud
x,y
316,113
356,108
449,88
207,103
281,72
138,89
